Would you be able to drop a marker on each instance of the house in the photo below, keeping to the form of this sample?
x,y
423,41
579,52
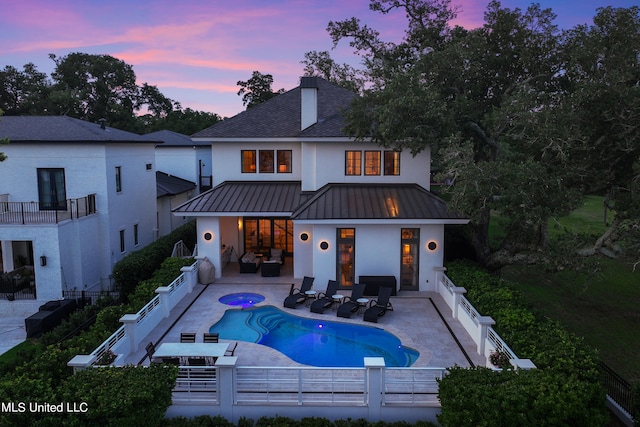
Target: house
x,y
75,197
172,191
179,156
286,176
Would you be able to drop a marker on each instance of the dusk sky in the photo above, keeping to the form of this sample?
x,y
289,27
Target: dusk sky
x,y
195,51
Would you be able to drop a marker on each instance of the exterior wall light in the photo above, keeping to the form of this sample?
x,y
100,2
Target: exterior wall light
x,y
432,245
304,237
208,236
43,261
324,245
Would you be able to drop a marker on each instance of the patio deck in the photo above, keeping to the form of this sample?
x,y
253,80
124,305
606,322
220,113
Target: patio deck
x,y
421,320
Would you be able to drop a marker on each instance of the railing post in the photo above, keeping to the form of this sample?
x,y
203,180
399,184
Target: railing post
x,y
375,374
457,294
484,322
130,321
190,274
80,362
226,386
439,272
163,291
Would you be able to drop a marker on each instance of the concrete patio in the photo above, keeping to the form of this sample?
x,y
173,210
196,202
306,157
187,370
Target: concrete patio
x,y
421,320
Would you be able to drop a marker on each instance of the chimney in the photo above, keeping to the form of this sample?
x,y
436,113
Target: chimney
x,y
308,102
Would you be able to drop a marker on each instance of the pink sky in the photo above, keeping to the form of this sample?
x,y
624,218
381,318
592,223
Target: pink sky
x,y
195,51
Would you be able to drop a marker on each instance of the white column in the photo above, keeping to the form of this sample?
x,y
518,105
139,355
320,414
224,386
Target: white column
x,y
375,379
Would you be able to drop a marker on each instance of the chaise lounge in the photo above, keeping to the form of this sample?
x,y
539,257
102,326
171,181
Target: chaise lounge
x,y
380,306
298,296
351,304
325,299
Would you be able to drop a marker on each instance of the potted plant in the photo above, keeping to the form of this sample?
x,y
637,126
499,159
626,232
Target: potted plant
x,y
499,359
106,358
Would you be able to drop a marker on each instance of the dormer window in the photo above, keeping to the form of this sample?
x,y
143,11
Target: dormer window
x,y
266,161
284,161
392,163
353,163
372,163
248,161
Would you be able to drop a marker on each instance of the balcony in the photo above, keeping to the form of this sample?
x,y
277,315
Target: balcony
x,y
45,213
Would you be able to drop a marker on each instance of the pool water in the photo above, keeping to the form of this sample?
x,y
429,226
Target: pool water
x,y
243,299
312,341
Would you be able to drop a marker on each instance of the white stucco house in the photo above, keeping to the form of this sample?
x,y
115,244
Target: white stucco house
x,y
286,176
75,197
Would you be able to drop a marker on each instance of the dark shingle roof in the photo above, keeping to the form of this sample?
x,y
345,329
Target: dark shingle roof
x,y
173,139
373,201
169,185
279,117
61,129
247,197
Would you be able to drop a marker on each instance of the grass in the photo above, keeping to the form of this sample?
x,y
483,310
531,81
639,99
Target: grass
x,y
601,307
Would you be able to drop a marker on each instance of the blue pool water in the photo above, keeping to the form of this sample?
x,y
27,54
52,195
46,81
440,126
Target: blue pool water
x,y
243,299
311,341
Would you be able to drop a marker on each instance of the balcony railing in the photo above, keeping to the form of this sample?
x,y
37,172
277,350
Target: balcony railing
x,y
45,213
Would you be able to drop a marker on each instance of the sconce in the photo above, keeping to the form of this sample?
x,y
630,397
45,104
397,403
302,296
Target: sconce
x,y
43,261
324,245
432,245
208,236
304,237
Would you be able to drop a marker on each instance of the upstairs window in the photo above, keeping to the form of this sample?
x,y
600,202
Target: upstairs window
x,y
353,163
392,163
122,245
51,190
284,161
266,161
118,179
372,163
248,161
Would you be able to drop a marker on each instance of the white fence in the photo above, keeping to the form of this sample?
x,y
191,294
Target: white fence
x,y
479,327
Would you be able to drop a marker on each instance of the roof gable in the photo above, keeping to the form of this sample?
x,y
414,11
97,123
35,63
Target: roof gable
x,y
279,117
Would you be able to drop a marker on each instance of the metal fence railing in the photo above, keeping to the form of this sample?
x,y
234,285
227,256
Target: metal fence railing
x,y
618,389
46,213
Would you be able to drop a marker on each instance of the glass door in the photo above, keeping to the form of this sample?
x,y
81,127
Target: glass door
x,y
346,256
409,245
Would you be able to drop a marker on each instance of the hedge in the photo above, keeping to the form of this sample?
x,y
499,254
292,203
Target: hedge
x,y
564,390
140,265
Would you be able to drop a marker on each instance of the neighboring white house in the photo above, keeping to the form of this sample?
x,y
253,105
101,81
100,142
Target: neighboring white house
x,y
179,156
75,197
286,176
172,192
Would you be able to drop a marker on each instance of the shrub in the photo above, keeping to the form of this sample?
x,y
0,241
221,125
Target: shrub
x,y
140,265
564,390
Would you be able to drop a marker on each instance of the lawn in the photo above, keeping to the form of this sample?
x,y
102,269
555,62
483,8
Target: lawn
x,y
602,307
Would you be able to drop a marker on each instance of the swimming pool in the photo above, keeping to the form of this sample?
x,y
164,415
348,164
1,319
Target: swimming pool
x,y
313,342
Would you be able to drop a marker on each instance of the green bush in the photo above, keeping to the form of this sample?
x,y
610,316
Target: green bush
x,y
140,265
564,390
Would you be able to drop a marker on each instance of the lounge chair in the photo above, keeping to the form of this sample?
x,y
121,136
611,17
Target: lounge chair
x,y
380,306
298,296
351,304
325,299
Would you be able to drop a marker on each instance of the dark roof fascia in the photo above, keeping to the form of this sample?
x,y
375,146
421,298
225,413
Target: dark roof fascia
x,y
80,141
